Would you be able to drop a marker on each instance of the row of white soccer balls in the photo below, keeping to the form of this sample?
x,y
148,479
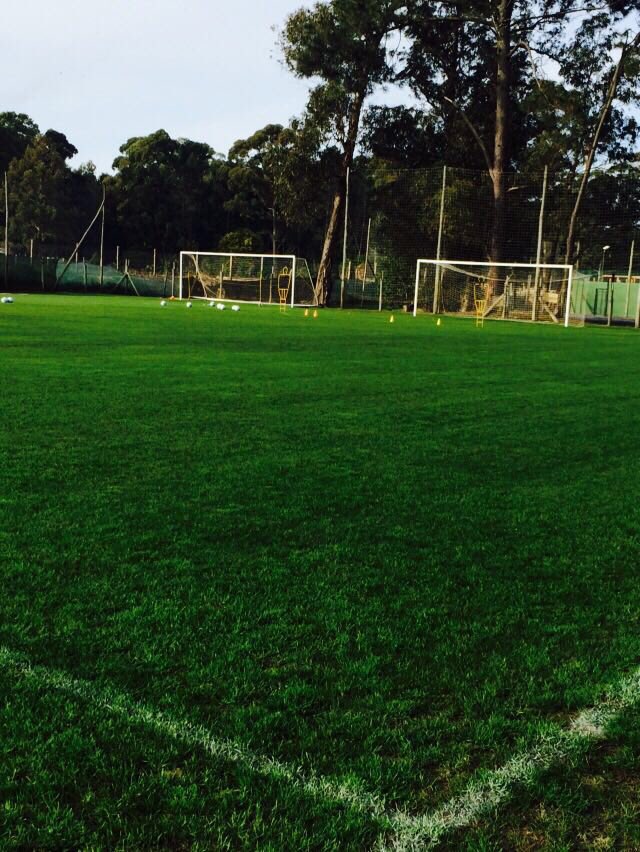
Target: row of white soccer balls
x,y
6,300
219,305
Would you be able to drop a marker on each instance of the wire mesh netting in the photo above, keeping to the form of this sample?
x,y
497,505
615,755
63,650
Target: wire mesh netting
x,y
494,291
397,216
264,279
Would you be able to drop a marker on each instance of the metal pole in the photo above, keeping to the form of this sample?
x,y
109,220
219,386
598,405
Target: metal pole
x,y
180,281
293,281
629,273
366,262
261,275
273,229
104,191
380,292
118,258
436,289
6,230
536,280
344,239
569,288
79,243
415,294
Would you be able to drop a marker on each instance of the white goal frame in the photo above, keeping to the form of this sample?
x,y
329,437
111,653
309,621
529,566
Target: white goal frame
x,y
292,258
443,262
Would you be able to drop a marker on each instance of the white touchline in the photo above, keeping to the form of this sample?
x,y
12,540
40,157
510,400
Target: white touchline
x,y
191,734
404,831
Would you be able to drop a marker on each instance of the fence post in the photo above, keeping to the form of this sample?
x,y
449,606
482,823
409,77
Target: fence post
x,y
629,274
344,238
102,248
536,280
366,262
436,288
6,231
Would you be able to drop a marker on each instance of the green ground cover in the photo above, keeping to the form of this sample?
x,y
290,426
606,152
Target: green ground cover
x,y
387,554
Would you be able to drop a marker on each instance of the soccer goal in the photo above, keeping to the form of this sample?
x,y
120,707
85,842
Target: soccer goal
x,y
235,277
517,291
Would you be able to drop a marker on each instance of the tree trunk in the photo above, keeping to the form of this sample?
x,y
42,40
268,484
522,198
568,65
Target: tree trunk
x,y
501,140
323,281
591,151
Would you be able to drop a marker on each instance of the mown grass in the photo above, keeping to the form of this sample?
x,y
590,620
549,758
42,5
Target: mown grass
x,y
385,553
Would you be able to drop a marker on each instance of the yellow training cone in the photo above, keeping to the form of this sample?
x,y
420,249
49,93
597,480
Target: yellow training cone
x,y
315,315
392,318
438,322
306,312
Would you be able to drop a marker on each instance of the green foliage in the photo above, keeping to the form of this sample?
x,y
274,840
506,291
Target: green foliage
x,y
450,61
275,181
37,192
168,192
403,137
242,240
17,131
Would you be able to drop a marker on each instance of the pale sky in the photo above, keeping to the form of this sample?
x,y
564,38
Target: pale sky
x,y
101,71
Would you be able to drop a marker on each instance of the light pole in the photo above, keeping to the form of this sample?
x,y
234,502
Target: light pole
x,y
605,249
273,228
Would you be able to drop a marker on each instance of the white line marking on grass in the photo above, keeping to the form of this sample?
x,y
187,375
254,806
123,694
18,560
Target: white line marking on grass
x,y
403,831
493,788
196,736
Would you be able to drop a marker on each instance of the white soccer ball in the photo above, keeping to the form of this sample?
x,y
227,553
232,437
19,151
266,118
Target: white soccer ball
x,y
212,304
188,304
6,300
235,308
220,306
162,303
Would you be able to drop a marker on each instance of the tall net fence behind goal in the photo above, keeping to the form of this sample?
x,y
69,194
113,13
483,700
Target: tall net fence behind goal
x,y
396,216
259,278
485,290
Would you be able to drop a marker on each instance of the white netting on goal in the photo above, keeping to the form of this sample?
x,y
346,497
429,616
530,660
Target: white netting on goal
x,y
519,291
255,278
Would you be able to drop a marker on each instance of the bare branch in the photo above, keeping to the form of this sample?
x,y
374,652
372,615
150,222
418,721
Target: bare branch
x,y
534,71
474,131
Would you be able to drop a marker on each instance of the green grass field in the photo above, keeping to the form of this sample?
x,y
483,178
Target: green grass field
x,y
268,581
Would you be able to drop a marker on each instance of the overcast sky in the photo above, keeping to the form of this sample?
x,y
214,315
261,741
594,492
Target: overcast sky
x,y
102,71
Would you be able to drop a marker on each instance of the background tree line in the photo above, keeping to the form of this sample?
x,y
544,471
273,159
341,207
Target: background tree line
x,y
499,86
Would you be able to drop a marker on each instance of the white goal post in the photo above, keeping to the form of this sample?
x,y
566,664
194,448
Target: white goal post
x,y
242,277
539,292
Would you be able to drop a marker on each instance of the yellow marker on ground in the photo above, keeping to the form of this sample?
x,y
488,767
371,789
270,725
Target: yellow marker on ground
x,y
315,315
392,318
306,312
438,322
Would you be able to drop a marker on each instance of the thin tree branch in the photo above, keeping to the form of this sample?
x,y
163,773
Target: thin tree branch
x,y
534,71
474,131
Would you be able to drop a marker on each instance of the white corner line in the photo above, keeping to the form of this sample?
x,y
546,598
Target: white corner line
x,y
402,832
493,788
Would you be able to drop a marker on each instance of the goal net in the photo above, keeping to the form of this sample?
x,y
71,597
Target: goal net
x,y
235,277
516,291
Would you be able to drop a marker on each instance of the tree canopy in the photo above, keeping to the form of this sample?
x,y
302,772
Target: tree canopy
x,y
497,86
